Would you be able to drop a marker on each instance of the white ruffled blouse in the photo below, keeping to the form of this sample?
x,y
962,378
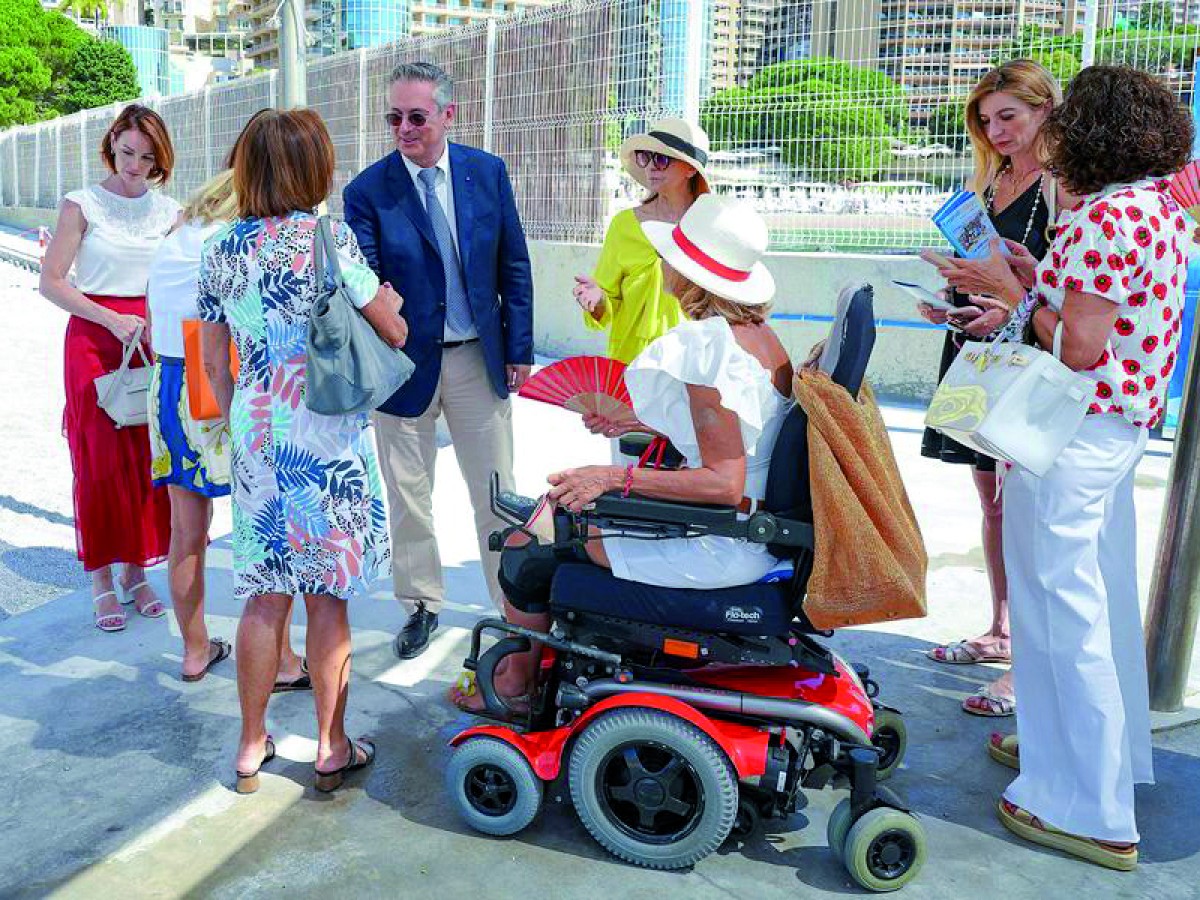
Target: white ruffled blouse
x,y
706,353
122,236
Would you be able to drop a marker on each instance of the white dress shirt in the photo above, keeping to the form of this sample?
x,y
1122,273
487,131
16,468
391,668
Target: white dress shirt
x,y
445,195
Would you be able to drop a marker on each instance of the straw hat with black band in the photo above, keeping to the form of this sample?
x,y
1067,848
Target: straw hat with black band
x,y
718,245
674,138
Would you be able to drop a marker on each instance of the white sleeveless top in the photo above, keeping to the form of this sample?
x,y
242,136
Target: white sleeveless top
x,y
122,236
171,288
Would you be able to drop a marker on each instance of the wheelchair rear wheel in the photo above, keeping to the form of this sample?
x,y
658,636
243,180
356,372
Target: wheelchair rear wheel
x,y
493,786
653,789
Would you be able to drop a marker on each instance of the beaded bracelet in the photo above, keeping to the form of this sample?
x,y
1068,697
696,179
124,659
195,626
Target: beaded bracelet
x,y
628,480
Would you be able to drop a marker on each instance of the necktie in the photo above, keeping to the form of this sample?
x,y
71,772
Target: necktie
x,y
458,310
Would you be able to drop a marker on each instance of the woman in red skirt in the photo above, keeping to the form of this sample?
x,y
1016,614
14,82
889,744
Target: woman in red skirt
x,y
109,232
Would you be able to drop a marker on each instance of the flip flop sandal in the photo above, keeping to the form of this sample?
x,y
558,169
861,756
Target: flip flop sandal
x,y
223,649
1005,750
984,703
115,620
303,683
1028,826
247,782
327,782
130,596
964,653
465,687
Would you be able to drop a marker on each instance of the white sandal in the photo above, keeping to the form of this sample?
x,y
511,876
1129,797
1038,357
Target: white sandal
x,y
129,595
118,617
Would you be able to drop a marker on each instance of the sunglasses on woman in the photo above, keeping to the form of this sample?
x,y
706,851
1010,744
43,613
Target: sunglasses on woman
x,y
415,119
645,159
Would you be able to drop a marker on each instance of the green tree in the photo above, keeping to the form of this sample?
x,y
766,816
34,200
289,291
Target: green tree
x,y
100,73
828,118
1156,14
23,79
947,125
1063,64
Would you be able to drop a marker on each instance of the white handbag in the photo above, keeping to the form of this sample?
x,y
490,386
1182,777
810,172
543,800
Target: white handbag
x,y
125,393
1012,402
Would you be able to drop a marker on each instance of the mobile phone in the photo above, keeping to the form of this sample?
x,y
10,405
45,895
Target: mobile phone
x,y
924,295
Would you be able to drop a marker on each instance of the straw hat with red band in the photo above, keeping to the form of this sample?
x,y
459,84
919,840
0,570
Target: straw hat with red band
x,y
674,138
718,245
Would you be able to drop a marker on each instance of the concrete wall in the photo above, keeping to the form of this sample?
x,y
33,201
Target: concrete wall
x,y
903,365
907,349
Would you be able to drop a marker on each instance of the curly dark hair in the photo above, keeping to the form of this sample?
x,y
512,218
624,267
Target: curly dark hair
x,y
1115,125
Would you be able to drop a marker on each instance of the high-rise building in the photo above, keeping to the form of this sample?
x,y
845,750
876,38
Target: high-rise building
x,y
739,32
432,16
652,60
148,47
939,48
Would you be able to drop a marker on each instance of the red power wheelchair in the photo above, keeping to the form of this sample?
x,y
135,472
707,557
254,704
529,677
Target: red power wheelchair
x,y
677,717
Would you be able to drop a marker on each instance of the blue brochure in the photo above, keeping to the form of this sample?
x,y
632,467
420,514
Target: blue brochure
x,y
965,224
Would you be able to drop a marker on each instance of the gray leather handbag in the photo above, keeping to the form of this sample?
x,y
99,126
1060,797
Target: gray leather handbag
x,y
350,367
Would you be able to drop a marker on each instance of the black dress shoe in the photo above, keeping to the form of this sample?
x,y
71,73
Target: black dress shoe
x,y
414,636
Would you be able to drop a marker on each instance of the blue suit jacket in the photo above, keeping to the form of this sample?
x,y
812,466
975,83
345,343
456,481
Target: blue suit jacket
x,y
395,234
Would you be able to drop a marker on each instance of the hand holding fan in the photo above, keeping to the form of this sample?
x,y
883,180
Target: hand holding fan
x,y
1185,188
585,384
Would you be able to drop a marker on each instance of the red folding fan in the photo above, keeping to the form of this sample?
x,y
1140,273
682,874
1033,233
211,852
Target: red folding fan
x,y
1185,188
585,384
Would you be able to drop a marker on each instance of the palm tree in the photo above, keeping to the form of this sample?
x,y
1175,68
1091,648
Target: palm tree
x,y
96,10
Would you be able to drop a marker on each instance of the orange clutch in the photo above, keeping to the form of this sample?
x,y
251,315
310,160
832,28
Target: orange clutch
x,y
202,403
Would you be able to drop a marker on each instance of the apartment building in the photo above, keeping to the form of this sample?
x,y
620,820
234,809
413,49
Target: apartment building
x,y
739,33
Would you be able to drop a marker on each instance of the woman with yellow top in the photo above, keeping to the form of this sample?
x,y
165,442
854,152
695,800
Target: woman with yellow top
x,y
626,294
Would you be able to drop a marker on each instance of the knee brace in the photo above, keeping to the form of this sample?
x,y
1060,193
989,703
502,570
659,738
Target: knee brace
x,y
526,572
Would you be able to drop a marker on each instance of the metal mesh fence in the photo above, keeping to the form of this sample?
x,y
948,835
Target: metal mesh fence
x,y
841,120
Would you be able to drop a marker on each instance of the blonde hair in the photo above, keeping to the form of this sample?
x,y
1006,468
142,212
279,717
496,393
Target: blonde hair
x,y
1030,83
215,201
697,303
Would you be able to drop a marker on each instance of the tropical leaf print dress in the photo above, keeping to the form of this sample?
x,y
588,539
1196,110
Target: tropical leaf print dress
x,y
308,502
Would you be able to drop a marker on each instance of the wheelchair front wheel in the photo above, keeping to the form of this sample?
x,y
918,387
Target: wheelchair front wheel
x,y
653,789
493,786
884,849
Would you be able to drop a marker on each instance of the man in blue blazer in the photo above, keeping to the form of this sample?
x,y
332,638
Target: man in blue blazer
x,y
438,221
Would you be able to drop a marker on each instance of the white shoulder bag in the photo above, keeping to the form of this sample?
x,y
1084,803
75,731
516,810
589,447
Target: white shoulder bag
x,y
1012,402
125,393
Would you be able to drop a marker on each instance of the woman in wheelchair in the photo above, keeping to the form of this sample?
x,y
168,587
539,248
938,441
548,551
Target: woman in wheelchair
x,y
718,387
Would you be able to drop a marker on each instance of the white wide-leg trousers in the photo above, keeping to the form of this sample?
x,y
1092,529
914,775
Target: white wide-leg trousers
x,y
1079,662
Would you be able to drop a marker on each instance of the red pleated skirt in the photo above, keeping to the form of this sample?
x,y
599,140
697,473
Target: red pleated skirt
x,y
120,517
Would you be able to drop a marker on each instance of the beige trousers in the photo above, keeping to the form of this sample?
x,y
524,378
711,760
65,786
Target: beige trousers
x,y
481,427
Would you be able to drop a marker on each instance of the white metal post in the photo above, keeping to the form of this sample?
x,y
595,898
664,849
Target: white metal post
x,y
208,150
293,61
489,85
84,151
693,69
1090,23
13,141
37,165
58,190
362,109
274,87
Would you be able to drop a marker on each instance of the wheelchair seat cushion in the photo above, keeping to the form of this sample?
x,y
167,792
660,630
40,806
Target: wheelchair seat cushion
x,y
759,609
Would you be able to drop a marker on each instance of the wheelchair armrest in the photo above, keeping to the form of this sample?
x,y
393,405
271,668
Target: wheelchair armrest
x,y
640,509
696,519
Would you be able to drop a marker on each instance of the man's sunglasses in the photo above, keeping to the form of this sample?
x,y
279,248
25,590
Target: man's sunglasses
x,y
415,119
645,159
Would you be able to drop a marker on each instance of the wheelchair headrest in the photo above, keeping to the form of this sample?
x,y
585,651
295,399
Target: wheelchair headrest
x,y
851,338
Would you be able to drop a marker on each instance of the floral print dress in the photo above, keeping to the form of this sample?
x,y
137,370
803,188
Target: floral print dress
x,y
308,503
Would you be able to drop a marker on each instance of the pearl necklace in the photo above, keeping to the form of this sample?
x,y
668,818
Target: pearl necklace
x,y
991,201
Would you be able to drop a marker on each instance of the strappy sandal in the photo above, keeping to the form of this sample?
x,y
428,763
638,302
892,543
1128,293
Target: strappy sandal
x,y
327,782
155,606
222,648
965,653
1005,749
984,703
247,782
303,683
111,621
1025,825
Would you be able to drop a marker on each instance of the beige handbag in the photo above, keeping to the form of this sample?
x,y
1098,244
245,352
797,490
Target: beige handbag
x,y
125,393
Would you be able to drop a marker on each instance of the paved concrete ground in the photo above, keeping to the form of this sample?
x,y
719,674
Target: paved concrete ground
x,y
117,775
